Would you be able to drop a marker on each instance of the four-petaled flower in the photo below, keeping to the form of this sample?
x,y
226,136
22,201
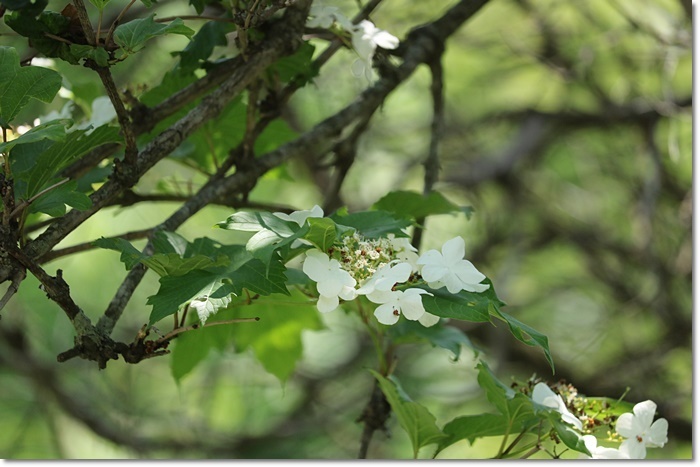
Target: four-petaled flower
x,y
332,282
449,269
640,431
393,303
542,395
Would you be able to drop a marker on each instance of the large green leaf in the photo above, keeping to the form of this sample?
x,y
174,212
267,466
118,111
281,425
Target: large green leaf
x,y
54,202
132,35
130,256
209,289
56,157
20,84
210,35
414,418
412,205
276,339
55,130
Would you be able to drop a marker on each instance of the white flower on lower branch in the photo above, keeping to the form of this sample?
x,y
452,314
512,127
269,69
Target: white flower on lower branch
x,y
639,430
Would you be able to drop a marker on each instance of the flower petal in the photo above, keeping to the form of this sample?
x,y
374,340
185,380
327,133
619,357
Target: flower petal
x,y
412,304
430,257
467,273
386,40
633,448
453,250
657,435
543,395
385,314
428,319
326,304
315,265
626,427
644,413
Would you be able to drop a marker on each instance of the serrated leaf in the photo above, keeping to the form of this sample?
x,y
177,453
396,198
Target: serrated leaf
x,y
210,35
130,256
170,242
322,232
373,224
172,264
276,339
54,130
570,437
414,418
212,298
412,205
260,278
132,35
60,154
175,291
54,202
18,85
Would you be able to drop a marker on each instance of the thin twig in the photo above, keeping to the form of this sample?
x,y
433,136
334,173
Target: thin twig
x,y
19,276
175,332
115,23
26,203
84,19
131,150
168,19
55,254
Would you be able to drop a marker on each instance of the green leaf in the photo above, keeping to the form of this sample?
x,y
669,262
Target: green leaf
x,y
54,202
130,256
414,418
496,392
210,35
132,35
98,54
209,289
411,205
172,264
170,242
276,339
471,427
20,84
55,130
321,232
254,221
570,437
525,334
60,154
373,224
438,335
298,67
100,4
465,306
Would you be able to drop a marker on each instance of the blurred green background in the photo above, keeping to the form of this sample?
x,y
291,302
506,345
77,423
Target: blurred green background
x,y
567,128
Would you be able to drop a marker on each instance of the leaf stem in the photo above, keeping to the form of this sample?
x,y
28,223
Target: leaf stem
x,y
115,23
24,204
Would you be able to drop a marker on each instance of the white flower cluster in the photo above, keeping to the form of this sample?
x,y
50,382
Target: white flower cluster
x,y
638,428
375,267
365,36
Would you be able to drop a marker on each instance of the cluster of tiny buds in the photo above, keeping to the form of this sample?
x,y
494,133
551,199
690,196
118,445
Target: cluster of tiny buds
x,y
362,257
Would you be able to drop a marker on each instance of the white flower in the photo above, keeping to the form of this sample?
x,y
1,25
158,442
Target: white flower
x,y
325,16
601,452
300,216
395,302
640,431
450,269
332,282
542,395
366,37
385,278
